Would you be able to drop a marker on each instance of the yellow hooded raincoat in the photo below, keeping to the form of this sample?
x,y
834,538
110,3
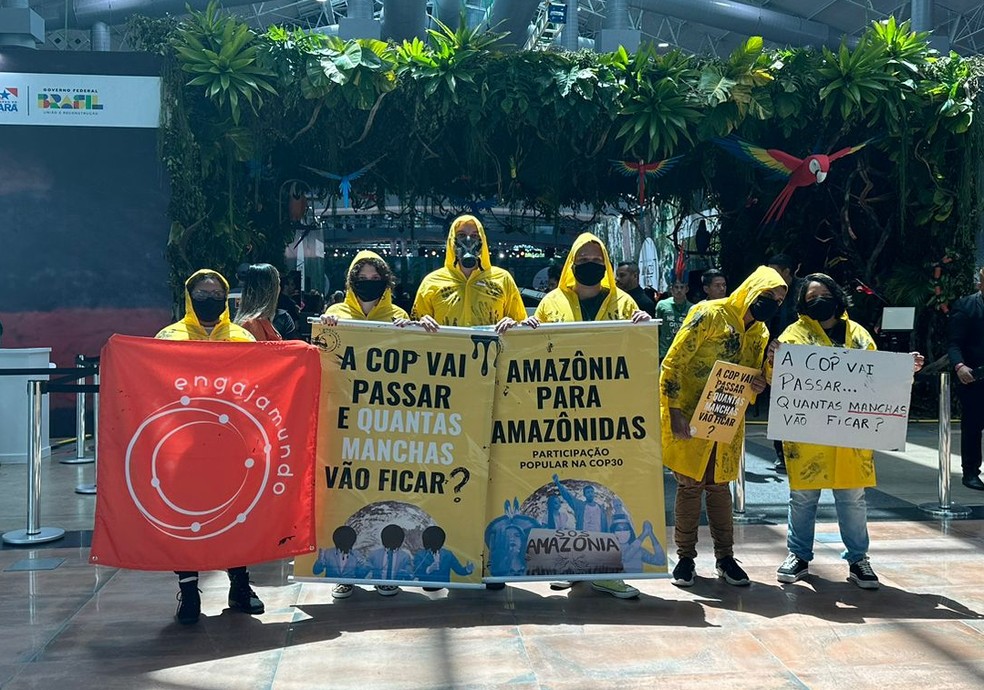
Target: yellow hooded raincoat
x,y
713,330
350,309
481,299
189,327
826,467
562,305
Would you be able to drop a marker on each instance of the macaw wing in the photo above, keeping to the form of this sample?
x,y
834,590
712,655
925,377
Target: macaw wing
x,y
626,168
780,163
848,151
660,168
323,173
360,172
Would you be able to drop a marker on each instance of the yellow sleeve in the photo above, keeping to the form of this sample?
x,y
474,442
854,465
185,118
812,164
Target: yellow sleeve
x,y
688,340
514,307
422,302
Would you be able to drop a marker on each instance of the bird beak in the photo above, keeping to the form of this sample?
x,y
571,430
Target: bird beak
x,y
821,176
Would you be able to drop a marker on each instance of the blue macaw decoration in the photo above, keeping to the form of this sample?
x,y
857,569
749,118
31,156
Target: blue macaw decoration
x,y
475,208
344,181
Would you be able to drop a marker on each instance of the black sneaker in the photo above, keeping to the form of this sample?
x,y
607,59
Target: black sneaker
x,y
242,597
779,466
973,483
732,573
862,575
189,603
792,569
684,574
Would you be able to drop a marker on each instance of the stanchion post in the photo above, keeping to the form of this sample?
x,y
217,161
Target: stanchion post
x,y
738,486
35,533
89,489
81,458
739,514
944,509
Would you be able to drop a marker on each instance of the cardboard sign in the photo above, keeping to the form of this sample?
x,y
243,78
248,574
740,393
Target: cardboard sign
x,y
840,397
722,404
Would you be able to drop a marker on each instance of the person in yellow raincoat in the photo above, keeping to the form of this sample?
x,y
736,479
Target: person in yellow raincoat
x,y
468,290
207,318
733,330
587,292
368,297
368,293
823,320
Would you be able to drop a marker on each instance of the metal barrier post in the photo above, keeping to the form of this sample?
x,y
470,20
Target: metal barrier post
x,y
89,489
34,534
738,494
81,458
945,509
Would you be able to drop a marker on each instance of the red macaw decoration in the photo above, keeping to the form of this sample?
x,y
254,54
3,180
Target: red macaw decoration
x,y
680,267
643,170
797,172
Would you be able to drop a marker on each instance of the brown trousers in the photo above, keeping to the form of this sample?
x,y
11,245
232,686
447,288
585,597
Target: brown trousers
x,y
686,513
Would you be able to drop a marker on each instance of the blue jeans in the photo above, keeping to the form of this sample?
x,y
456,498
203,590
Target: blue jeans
x,y
852,518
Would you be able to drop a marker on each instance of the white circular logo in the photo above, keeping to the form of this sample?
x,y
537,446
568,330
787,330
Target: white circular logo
x,y
165,463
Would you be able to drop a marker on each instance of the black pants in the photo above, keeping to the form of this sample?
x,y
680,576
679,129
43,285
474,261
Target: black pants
x,y
971,426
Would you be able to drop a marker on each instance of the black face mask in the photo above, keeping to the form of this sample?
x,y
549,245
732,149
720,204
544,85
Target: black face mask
x,y
468,250
821,309
369,290
589,274
209,309
764,308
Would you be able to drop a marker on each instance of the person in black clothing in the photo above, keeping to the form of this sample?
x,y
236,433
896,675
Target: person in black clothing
x,y
627,279
966,353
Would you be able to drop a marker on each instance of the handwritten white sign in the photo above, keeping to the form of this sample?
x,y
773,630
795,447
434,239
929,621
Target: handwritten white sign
x,y
840,397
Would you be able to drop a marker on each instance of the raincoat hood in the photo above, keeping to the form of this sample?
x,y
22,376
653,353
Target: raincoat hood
x,y
567,279
487,295
384,309
563,304
451,260
762,280
190,328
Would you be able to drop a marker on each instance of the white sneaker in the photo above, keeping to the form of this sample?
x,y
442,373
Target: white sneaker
x,y
388,590
342,591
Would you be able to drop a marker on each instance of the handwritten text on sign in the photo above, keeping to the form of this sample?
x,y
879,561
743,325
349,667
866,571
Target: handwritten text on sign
x,y
723,402
840,397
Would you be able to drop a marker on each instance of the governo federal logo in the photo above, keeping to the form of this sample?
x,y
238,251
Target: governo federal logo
x,y
199,466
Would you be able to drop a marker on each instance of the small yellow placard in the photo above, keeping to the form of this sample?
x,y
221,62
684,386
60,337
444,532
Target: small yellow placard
x,y
722,404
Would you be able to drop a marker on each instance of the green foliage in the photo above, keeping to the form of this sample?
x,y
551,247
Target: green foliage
x,y
660,103
450,117
222,53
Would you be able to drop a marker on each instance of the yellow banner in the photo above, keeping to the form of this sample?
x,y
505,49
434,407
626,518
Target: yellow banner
x,y
576,485
402,455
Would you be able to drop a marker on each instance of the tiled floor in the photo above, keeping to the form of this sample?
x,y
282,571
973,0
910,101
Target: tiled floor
x,y
78,626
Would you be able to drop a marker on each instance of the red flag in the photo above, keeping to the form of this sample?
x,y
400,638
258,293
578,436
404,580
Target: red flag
x,y
206,453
